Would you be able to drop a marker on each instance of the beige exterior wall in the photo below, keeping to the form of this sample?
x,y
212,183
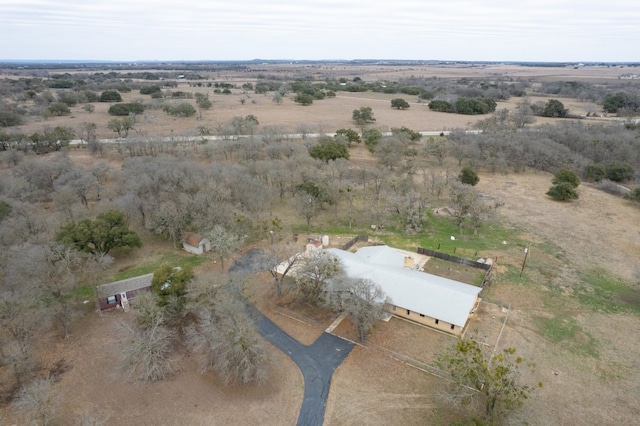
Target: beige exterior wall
x,y
425,320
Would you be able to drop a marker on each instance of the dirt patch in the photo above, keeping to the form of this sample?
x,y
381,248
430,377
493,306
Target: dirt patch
x,y
598,229
87,362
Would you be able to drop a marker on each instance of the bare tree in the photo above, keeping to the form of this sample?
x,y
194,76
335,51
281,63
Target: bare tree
x,y
523,114
307,205
314,274
363,301
467,205
87,132
223,337
81,183
38,400
146,355
90,418
18,329
53,271
223,242
279,260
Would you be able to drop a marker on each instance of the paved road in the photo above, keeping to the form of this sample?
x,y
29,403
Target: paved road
x,y
317,363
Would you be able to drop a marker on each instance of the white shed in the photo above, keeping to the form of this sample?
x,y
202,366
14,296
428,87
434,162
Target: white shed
x,y
195,243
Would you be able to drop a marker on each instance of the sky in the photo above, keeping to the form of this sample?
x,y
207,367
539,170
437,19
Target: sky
x,y
465,30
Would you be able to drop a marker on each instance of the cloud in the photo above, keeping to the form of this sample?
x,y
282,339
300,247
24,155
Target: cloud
x,y
313,29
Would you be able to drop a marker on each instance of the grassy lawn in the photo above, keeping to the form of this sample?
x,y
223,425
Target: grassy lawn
x,y
605,292
174,258
566,332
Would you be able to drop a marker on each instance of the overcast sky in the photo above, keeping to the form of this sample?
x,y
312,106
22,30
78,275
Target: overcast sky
x,y
490,30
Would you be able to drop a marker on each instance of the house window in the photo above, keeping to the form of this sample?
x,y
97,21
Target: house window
x,y
394,309
437,321
453,327
408,312
111,299
422,315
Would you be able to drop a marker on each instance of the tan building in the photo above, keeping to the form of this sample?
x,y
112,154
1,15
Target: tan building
x,y
427,299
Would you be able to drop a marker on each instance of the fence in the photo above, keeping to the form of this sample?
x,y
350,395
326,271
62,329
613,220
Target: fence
x,y
487,267
455,259
354,240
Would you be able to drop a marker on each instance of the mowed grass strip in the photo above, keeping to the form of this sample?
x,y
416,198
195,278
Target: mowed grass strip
x,y
606,292
150,265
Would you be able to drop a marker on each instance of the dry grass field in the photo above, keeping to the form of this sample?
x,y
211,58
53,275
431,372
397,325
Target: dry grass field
x,y
329,114
586,355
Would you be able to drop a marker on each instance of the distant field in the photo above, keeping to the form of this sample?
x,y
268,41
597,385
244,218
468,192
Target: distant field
x,y
325,115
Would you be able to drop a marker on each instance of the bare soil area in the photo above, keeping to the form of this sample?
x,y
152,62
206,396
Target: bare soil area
x,y
188,397
598,229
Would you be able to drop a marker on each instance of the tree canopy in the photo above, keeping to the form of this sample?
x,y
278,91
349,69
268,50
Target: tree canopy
x,y
107,232
350,134
363,115
468,176
399,103
567,176
329,149
364,301
494,379
169,281
110,96
554,108
565,181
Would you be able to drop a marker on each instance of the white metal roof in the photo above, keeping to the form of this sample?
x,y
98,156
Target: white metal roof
x,y
437,297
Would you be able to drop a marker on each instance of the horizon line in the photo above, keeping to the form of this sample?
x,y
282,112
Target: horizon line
x,y
287,60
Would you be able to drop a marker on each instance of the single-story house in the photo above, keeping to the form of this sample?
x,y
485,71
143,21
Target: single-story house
x,y
195,243
427,299
119,293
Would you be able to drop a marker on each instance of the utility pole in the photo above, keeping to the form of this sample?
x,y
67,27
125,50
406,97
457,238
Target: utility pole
x,y
524,261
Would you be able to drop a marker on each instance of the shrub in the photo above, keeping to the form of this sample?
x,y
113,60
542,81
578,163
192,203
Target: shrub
x,y
562,192
91,96
58,109
399,103
371,138
441,106
619,172
9,118
634,195
184,109
303,99
595,172
149,90
468,176
125,109
329,149
350,134
110,96
567,176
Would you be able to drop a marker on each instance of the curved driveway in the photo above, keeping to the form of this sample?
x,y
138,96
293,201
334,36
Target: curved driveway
x,y
317,363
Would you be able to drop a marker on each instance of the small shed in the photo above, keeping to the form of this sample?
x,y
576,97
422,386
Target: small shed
x,y
119,293
195,243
